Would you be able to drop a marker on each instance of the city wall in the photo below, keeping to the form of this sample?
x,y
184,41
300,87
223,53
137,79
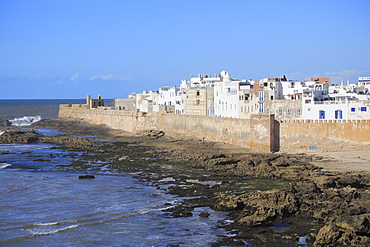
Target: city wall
x,y
261,133
348,130
256,137
323,135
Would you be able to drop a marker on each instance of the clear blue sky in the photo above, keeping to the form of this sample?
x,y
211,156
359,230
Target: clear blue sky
x,y
70,48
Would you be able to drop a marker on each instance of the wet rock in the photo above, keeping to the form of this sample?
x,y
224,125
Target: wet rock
x,y
86,177
204,214
71,142
20,136
182,213
5,123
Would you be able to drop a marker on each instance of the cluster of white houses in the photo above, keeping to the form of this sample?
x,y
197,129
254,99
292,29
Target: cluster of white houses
x,y
220,95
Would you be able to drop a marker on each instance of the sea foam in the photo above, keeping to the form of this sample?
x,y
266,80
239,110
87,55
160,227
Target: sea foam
x,y
25,121
4,165
41,232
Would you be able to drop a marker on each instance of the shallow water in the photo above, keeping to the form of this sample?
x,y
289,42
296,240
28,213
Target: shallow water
x,y
44,206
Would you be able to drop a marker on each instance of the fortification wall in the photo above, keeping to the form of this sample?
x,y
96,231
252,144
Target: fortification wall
x,y
131,122
349,130
229,130
324,135
261,133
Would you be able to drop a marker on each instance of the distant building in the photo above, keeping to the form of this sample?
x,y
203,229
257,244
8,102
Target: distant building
x,y
94,103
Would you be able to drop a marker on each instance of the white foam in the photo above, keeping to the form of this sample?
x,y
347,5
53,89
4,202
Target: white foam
x,y
4,165
2,132
48,231
25,121
47,224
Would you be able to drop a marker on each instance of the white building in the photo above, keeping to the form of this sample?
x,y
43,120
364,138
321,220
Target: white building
x,y
226,97
167,95
364,82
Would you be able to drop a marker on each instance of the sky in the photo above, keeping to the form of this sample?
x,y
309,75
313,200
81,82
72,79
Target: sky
x,y
66,49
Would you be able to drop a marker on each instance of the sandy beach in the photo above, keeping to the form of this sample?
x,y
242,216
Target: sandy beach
x,y
349,161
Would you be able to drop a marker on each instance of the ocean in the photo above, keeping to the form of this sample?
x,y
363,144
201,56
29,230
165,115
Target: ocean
x,y
43,204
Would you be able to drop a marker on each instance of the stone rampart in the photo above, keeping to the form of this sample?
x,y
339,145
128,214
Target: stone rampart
x,y
229,130
261,133
348,130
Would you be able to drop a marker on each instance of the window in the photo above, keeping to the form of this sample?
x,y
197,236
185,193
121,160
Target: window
x,y
353,109
321,114
338,114
280,111
289,112
298,112
363,108
260,107
261,95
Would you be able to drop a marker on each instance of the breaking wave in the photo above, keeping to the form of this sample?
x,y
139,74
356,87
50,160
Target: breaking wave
x,y
4,165
41,232
25,121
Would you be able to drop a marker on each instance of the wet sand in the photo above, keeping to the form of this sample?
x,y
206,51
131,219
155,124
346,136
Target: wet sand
x,y
349,161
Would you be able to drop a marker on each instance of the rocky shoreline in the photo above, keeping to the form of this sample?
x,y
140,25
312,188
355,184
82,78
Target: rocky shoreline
x,y
273,199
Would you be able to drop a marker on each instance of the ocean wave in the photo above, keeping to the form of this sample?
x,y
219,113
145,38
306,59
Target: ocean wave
x,y
42,232
25,121
4,165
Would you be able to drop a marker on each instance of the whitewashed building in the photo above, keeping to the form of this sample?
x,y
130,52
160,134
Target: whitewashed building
x,y
226,97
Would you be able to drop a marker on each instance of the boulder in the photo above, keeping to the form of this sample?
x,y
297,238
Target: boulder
x,y
86,177
20,136
5,123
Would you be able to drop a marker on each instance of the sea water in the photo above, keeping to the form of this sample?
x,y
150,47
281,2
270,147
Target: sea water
x,y
43,205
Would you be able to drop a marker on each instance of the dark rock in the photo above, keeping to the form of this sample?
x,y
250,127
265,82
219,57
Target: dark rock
x,y
181,213
20,136
5,123
86,177
204,214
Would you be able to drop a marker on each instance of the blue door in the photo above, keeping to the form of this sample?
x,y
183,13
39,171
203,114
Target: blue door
x,y
321,114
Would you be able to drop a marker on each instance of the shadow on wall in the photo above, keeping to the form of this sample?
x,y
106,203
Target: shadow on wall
x,y
276,136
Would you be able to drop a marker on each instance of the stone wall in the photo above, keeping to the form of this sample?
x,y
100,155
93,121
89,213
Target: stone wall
x,y
230,130
261,133
324,135
349,130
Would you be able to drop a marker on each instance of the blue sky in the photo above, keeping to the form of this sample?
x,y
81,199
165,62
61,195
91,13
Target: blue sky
x,y
70,48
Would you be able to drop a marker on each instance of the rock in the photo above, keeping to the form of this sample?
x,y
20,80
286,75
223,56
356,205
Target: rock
x,y
181,213
204,214
86,177
154,134
5,123
20,136
348,231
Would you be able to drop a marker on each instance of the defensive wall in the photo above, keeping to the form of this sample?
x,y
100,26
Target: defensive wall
x,y
260,133
254,133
